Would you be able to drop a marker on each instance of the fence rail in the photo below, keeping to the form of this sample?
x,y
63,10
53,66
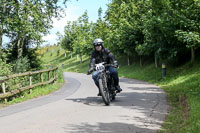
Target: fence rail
x,y
7,93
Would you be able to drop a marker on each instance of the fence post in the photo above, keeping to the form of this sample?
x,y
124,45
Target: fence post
x,y
41,77
48,75
163,70
4,90
54,73
57,71
30,83
54,76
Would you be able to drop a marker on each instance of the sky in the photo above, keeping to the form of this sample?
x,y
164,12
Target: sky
x,y
75,9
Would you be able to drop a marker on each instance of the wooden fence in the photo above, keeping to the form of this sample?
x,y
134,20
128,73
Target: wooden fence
x,y
5,93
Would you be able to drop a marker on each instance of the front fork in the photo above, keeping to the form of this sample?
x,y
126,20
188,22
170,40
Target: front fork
x,y
102,75
110,84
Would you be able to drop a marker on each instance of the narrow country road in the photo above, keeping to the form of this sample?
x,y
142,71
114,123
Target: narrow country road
x,y
75,108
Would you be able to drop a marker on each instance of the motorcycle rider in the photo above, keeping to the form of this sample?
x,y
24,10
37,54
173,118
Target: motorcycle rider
x,y
101,54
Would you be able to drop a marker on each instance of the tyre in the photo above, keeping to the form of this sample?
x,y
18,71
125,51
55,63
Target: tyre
x,y
104,92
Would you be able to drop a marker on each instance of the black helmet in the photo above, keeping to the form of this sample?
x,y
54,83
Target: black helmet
x,y
98,41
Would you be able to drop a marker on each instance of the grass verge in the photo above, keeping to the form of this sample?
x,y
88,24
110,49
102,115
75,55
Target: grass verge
x,y
36,92
182,85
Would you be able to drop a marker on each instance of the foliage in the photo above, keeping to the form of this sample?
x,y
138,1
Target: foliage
x,y
29,53
5,69
152,27
21,65
192,39
58,52
70,36
136,28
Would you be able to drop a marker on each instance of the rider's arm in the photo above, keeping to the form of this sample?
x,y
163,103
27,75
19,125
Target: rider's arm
x,y
92,61
112,58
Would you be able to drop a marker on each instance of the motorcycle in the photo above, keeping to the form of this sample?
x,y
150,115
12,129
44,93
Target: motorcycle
x,y
106,82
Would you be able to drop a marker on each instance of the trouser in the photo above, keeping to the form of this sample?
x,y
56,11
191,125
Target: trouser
x,y
113,72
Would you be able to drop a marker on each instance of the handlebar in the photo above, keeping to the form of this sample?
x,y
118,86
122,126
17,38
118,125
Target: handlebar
x,y
106,65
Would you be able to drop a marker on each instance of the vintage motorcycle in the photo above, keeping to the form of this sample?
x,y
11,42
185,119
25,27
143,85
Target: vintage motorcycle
x,y
106,82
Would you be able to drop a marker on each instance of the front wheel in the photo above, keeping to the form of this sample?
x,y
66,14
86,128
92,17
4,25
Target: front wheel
x,y
104,92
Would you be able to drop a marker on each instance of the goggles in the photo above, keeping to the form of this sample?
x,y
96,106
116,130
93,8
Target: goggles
x,y
98,44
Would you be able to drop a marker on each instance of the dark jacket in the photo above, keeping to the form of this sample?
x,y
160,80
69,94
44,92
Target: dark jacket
x,y
104,56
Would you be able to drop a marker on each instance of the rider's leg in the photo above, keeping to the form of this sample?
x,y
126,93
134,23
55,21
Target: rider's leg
x,y
114,73
95,78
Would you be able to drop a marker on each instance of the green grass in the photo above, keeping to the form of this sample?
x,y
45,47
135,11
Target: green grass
x,y
182,84
70,64
36,92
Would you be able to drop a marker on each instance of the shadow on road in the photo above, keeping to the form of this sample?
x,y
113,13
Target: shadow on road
x,y
106,128
140,97
132,81
145,98
92,101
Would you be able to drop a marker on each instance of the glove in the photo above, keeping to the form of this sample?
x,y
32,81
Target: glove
x,y
115,64
89,71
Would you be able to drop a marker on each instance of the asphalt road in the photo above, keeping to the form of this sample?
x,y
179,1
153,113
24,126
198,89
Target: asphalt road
x,y
75,108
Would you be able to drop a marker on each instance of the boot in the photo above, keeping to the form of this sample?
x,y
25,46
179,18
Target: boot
x,y
99,94
118,89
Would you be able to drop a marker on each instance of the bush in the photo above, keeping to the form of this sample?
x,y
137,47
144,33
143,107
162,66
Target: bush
x,y
58,52
5,69
21,65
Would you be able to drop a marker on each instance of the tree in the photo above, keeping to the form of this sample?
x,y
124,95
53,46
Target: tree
x,y
191,39
26,19
83,35
188,31
124,18
70,35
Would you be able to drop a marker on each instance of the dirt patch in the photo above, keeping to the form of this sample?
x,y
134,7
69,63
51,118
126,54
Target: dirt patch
x,y
185,105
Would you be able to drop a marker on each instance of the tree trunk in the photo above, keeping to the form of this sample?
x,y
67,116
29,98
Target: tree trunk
x,y
1,38
128,59
140,61
71,54
77,57
1,26
80,58
192,54
18,49
65,53
20,46
156,61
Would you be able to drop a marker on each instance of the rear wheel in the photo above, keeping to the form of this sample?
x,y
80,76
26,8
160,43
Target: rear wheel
x,y
104,92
